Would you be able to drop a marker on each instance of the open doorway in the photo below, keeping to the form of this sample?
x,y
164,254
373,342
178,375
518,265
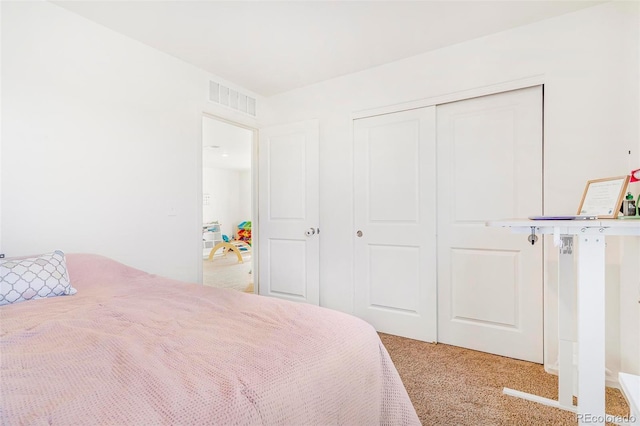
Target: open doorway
x,y
227,205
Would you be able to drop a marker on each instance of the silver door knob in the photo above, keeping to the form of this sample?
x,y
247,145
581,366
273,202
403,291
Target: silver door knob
x,y
359,233
309,232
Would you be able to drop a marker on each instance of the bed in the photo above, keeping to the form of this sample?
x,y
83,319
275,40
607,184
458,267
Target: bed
x,y
139,349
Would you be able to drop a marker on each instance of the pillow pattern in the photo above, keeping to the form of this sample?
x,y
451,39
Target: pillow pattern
x,y
34,278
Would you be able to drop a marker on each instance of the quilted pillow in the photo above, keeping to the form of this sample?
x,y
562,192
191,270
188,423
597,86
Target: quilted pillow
x,y
34,278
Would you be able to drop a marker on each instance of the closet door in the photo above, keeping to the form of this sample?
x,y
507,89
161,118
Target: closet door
x,y
490,284
394,235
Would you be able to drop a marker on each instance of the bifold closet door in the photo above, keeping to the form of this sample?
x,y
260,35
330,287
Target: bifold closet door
x,y
395,224
490,283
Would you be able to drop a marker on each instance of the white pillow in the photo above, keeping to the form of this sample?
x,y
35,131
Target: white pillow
x,y
34,278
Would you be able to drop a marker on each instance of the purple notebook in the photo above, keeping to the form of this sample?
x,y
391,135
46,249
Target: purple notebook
x,y
564,217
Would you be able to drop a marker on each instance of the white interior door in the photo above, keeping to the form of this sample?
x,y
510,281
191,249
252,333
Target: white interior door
x,y
490,284
395,244
288,212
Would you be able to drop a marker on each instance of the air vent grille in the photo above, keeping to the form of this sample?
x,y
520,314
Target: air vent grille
x,y
231,98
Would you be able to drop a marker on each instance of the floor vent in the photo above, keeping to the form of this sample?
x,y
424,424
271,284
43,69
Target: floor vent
x,y
231,98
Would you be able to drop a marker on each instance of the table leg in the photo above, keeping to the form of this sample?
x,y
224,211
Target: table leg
x,y
566,321
591,329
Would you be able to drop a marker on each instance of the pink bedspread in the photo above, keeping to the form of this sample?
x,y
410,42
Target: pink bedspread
x,y
136,349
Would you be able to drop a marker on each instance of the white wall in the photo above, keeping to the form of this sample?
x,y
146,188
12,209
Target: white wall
x,y
229,198
101,143
1,131
588,61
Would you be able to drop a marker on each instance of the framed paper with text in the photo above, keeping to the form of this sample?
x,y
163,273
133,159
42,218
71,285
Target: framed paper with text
x,y
603,197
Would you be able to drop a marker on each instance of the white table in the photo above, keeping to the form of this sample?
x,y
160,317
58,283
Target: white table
x,y
590,240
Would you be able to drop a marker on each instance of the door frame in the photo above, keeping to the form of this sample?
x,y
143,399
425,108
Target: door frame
x,y
254,198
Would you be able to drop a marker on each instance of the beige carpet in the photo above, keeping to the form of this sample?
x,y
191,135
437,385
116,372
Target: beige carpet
x,y
455,386
226,272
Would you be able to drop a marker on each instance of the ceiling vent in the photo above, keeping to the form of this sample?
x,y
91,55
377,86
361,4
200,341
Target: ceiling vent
x,y
230,98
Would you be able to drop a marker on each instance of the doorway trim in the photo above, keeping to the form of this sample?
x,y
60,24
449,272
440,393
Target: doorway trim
x,y
254,197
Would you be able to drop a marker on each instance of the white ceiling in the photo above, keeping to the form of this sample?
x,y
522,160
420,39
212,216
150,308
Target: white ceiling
x,y
225,146
272,47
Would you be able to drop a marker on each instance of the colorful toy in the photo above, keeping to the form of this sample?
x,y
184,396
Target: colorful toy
x,y
244,232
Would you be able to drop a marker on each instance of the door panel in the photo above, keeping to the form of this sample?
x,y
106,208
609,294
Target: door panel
x,y
393,172
288,208
481,141
287,272
490,285
395,287
287,176
389,264
469,285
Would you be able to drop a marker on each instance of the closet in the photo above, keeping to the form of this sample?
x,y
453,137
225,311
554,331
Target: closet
x,y
426,181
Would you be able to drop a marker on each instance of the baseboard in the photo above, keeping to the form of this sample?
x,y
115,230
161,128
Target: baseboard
x,y
611,379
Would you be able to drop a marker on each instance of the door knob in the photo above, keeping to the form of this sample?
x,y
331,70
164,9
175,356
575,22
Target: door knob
x,y
309,232
359,233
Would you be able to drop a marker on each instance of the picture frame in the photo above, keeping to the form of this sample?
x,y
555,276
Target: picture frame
x,y
603,197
